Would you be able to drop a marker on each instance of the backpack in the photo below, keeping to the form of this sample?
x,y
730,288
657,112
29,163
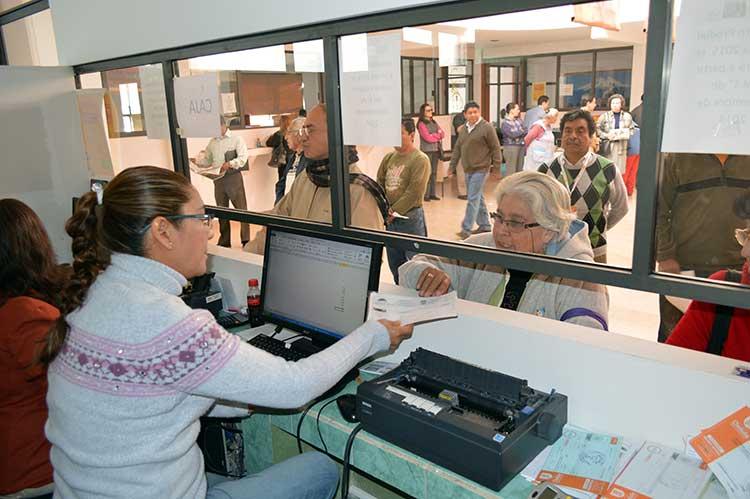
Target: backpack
x,y
722,320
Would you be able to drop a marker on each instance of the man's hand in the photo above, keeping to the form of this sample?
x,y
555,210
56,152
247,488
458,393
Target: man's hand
x,y
390,218
433,282
225,167
397,332
670,266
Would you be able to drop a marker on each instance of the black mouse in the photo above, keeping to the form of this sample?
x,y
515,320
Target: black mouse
x,y
348,407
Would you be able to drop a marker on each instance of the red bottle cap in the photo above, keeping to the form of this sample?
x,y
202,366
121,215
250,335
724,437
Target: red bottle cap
x,y
252,282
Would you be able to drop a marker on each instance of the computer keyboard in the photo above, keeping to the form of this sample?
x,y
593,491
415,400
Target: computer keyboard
x,y
277,347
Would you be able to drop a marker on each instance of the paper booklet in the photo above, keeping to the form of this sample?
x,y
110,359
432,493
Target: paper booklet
x,y
411,309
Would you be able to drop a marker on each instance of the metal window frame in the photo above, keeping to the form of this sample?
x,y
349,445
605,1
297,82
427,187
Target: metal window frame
x,y
16,14
658,59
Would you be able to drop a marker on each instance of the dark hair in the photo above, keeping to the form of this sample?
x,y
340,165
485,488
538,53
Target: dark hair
x,y
301,113
130,203
586,99
408,125
422,117
510,106
541,100
470,104
28,265
616,96
579,114
742,205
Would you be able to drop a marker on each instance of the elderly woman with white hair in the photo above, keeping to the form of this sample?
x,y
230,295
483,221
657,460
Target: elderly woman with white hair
x,y
533,216
540,142
295,159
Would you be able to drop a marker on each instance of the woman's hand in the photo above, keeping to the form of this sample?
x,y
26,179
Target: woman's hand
x,y
397,332
433,282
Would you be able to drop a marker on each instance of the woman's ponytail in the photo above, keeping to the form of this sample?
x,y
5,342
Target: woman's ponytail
x,y
89,259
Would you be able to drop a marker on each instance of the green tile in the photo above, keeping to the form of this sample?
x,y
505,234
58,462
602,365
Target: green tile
x,y
258,442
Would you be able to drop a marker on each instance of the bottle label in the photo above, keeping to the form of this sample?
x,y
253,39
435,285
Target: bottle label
x,y
253,301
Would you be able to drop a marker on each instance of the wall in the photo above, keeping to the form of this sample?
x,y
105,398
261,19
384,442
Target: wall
x,y
31,41
111,24
43,161
614,383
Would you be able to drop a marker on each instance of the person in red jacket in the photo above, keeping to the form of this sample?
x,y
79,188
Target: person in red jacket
x,y
30,279
728,332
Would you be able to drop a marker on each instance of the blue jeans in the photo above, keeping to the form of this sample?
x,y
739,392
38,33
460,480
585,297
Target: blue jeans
x,y
311,475
476,209
414,225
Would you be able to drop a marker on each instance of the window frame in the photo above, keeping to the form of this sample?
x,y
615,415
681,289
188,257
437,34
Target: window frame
x,y
641,276
16,14
114,134
436,98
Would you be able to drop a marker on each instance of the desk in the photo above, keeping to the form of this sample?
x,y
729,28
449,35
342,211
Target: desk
x,y
388,463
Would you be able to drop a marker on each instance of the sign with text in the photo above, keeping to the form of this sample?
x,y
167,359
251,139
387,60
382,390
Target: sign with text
x,y
371,100
198,105
154,101
91,110
708,104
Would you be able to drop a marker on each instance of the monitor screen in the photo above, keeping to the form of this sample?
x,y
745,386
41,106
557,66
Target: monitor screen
x,y
318,283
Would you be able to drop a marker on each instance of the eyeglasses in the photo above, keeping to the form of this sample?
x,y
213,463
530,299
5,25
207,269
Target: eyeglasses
x,y
512,225
206,218
742,236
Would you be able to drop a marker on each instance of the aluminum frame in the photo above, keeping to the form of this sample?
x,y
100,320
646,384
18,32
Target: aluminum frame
x,y
658,58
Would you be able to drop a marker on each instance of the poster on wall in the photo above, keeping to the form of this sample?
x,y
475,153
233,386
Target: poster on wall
x,y
94,130
710,79
198,105
370,102
154,101
537,90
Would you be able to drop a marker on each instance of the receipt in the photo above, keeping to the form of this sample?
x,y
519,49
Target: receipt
x,y
411,309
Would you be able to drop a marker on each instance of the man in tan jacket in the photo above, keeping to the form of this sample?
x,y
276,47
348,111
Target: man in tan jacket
x,y
310,196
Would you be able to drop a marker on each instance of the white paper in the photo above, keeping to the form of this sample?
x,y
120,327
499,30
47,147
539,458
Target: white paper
x,y
228,103
355,52
198,105
710,78
378,367
371,100
411,309
308,56
658,471
154,101
95,138
566,89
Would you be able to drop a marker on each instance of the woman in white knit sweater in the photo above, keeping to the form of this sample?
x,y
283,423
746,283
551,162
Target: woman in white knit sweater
x,y
132,368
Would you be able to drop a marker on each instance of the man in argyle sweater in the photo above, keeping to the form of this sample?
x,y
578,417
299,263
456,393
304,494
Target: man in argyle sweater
x,y
596,187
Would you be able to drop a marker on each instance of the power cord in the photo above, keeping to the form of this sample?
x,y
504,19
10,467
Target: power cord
x,y
317,422
299,425
276,331
347,465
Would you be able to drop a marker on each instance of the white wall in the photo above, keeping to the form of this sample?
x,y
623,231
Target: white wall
x,y
31,41
111,24
43,161
614,383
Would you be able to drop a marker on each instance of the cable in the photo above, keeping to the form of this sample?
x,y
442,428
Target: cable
x,y
299,424
277,330
317,422
347,466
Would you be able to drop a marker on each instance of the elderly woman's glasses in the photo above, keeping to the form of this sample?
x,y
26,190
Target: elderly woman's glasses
x,y
742,236
512,225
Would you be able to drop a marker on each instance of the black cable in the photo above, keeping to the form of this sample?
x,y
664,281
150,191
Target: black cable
x,y
277,331
317,422
299,424
347,465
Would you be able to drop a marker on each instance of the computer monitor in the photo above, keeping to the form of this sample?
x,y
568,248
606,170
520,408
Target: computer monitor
x,y
318,284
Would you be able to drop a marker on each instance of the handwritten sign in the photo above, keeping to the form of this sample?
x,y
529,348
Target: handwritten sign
x,y
708,105
371,100
198,105
154,101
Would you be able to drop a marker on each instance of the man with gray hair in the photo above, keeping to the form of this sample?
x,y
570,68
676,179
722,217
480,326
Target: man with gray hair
x,y
533,216
227,155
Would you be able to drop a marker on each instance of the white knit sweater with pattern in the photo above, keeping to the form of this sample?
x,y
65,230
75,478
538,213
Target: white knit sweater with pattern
x,y
138,369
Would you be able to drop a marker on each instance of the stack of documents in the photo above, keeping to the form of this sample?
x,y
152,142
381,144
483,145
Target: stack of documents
x,y
725,447
659,472
582,463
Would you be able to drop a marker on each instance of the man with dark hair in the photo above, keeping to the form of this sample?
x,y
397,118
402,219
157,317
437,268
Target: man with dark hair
x,y
596,187
478,148
695,220
222,161
536,113
588,103
403,174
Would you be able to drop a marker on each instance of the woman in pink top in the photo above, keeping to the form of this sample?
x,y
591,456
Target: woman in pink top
x,y
430,138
